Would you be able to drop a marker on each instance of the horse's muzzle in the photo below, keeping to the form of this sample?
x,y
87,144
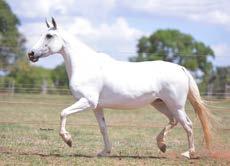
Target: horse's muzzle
x,y
32,58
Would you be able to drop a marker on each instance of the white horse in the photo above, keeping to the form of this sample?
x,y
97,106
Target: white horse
x,y
97,81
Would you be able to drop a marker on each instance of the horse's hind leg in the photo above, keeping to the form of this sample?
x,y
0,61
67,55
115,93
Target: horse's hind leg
x,y
161,106
186,123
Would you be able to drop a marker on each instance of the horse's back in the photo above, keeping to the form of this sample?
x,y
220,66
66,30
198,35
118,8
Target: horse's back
x,y
144,73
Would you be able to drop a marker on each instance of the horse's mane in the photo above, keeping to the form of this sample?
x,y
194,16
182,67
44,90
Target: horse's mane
x,y
74,42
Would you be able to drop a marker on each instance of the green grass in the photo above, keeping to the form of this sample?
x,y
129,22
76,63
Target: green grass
x,y
29,126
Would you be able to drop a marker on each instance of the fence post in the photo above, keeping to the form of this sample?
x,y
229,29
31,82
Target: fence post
x,y
44,87
12,88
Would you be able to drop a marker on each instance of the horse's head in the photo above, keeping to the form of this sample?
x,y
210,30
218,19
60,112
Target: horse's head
x,y
49,43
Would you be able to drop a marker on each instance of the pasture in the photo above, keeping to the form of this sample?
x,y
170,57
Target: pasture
x,y
29,127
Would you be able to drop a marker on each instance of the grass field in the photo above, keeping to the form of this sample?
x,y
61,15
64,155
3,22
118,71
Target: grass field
x,y
29,126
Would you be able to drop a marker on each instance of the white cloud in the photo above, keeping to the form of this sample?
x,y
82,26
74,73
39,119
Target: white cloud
x,y
32,31
59,8
115,38
41,8
96,9
80,26
215,17
208,11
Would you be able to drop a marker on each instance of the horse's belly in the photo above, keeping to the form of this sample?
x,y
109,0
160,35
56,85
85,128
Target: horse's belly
x,y
117,101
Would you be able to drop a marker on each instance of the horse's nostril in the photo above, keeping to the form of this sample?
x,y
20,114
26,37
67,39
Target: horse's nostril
x,y
31,53
32,57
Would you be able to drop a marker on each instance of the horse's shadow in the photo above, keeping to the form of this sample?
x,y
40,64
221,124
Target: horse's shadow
x,y
82,155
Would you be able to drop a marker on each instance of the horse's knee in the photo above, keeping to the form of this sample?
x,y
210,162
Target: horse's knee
x,y
63,114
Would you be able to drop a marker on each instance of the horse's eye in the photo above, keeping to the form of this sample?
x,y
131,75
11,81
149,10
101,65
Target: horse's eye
x,y
48,36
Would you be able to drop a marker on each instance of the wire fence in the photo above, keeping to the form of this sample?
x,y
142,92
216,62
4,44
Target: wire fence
x,y
65,91
10,98
9,92
12,88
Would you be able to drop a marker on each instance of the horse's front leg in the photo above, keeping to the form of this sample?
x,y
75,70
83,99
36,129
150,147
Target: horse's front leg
x,y
81,105
101,122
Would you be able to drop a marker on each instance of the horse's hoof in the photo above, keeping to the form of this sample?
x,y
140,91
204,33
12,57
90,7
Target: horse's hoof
x,y
190,155
69,143
186,154
163,148
193,155
67,138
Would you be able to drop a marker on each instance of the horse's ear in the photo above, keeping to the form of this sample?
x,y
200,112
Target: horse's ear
x,y
54,23
47,24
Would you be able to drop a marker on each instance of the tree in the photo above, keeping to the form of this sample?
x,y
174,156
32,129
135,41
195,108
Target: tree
x,y
59,76
29,78
174,46
11,41
219,84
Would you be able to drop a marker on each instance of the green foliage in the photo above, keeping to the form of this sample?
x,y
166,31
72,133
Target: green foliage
x,y
174,46
59,76
11,41
221,81
30,77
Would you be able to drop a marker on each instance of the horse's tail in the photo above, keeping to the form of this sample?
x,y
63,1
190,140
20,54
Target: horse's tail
x,y
200,108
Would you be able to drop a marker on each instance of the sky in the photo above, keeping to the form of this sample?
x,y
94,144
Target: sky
x,y
114,26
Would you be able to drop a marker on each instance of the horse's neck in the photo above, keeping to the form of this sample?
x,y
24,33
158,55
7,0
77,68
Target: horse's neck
x,y
77,55
68,64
